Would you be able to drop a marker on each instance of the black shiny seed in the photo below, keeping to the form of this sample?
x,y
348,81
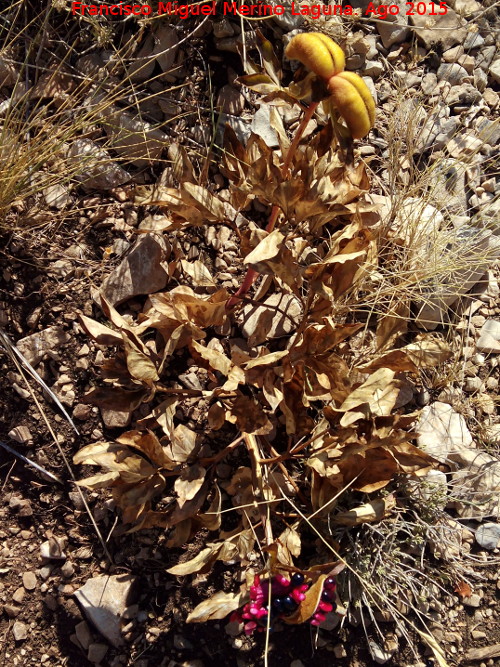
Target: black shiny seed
x,y
289,604
330,582
278,605
326,596
297,579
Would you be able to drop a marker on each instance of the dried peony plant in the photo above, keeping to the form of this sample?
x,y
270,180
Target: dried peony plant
x,y
343,93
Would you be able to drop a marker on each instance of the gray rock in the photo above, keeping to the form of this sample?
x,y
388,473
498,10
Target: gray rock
x,y
141,272
448,192
230,100
223,28
166,46
406,80
466,7
241,127
53,548
96,653
478,483
437,130
447,29
103,600
380,655
451,72
429,83
136,140
494,70
93,167
432,487
83,634
473,40
261,125
485,57
394,29
354,62
56,196
465,95
371,87
471,251
489,337
38,345
488,131
442,432
373,68
287,21
488,535
20,631
473,384
452,55
473,600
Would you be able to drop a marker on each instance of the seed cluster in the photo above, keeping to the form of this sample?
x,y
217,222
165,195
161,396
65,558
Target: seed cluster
x,y
286,597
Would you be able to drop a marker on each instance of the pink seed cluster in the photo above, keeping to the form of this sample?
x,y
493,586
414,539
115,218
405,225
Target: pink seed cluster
x,y
286,597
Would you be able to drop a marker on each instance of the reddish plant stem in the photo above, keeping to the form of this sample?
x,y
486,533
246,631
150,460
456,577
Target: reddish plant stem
x,y
251,274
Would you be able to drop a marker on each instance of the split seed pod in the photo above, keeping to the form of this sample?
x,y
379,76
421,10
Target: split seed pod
x,y
318,53
354,102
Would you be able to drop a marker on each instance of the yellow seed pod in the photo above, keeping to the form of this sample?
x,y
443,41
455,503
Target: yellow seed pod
x,y
317,52
354,102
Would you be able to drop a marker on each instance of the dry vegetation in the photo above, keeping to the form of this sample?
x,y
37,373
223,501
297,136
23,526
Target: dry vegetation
x,y
299,432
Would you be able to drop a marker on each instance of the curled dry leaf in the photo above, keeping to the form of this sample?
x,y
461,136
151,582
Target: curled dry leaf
x,y
371,512
217,607
376,396
289,545
189,483
308,606
200,563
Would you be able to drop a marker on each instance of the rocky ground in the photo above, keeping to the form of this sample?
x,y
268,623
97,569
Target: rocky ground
x,y
71,596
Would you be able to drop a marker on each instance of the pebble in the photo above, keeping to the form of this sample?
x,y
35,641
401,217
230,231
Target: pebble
x,y
472,384
18,595
488,535
96,653
29,581
68,569
452,72
473,600
339,651
11,610
20,631
83,634
53,548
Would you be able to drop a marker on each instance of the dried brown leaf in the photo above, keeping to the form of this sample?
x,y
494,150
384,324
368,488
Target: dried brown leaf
x,y
308,606
249,416
376,396
183,445
427,353
211,519
217,607
198,272
149,445
289,545
216,416
391,326
200,563
376,510
189,483
217,360
211,207
102,334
